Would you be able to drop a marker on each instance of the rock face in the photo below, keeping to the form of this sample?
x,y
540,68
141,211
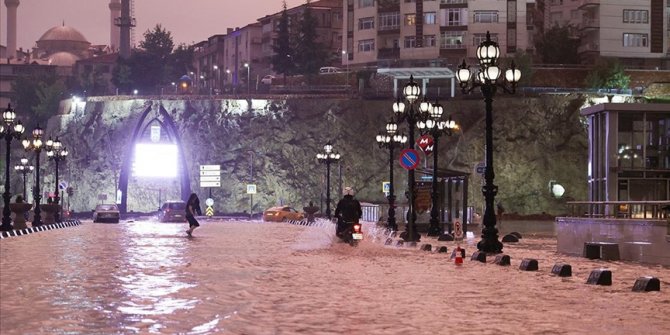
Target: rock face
x,y
535,140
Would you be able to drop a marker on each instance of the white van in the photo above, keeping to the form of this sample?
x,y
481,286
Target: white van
x,y
329,69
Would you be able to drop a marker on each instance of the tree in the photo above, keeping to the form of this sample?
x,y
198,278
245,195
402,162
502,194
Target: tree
x,y
34,94
524,62
158,42
180,61
608,73
282,60
557,46
310,54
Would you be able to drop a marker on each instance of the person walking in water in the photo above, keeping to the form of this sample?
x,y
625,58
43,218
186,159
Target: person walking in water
x,y
192,208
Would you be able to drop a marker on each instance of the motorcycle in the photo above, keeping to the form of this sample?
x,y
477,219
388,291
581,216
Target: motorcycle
x,y
352,233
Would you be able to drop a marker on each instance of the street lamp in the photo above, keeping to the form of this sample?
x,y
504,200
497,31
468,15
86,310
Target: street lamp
x,y
10,129
56,152
24,169
216,78
36,144
345,53
248,78
391,140
435,126
411,115
327,158
486,78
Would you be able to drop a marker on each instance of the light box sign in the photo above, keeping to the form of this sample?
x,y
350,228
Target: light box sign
x,y
155,160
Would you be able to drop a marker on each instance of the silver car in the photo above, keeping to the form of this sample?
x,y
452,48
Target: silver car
x,y
106,213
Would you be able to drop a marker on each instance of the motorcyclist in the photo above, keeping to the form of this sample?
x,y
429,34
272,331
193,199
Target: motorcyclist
x,y
347,212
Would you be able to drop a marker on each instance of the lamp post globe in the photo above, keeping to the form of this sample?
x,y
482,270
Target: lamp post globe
x,y
487,80
57,153
328,157
10,129
390,140
35,144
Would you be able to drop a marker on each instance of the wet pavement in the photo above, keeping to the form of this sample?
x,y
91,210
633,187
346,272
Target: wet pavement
x,y
240,277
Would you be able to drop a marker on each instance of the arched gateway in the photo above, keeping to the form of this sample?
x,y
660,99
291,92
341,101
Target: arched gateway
x,y
166,123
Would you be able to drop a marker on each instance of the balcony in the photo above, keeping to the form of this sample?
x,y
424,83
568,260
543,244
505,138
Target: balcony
x,y
590,23
589,47
584,4
388,53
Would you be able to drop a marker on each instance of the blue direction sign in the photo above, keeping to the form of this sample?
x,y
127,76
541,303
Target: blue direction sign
x,y
409,159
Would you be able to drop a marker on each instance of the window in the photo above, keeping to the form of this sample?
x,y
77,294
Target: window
x,y
486,16
366,23
410,42
410,19
635,16
365,3
454,17
429,41
635,40
366,45
429,18
452,39
477,39
389,21
449,2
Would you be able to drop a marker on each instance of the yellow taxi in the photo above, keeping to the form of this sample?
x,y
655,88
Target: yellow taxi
x,y
282,214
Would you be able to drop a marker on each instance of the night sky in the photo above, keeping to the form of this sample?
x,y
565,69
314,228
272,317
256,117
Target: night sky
x,y
196,23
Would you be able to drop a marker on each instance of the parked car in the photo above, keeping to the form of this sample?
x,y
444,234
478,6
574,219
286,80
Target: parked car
x,y
282,214
267,80
329,69
172,211
106,212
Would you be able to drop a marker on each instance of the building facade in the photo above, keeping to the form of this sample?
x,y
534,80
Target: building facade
x,y
430,32
636,32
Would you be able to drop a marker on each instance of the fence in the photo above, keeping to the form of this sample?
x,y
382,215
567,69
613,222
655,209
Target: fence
x,y
370,212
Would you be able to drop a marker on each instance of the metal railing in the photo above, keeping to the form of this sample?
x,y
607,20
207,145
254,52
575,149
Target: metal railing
x,y
621,209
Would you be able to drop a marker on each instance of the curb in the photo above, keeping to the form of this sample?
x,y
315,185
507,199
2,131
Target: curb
x,y
26,231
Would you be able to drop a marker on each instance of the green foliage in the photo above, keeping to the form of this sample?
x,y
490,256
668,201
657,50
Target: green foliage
x,y
310,55
180,61
34,94
121,77
608,73
158,42
557,46
282,60
524,62
49,96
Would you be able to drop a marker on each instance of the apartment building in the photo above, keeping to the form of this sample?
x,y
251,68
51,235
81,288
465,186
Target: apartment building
x,y
635,31
328,16
430,32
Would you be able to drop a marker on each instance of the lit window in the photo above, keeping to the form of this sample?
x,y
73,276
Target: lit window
x,y
635,40
410,19
429,18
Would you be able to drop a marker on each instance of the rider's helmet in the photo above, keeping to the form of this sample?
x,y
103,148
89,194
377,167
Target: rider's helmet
x,y
348,191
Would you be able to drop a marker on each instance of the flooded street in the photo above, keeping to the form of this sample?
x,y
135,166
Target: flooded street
x,y
276,278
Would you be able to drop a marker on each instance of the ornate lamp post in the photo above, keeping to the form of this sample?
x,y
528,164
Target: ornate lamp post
x,y
391,140
10,129
411,115
327,158
435,126
36,144
486,78
24,169
57,153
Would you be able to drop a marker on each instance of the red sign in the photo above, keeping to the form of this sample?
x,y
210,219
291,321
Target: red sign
x,y
409,159
425,142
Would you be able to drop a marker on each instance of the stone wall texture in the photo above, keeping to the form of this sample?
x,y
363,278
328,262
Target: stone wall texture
x,y
536,140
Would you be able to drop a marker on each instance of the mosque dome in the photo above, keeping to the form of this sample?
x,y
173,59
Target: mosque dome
x,y
63,59
63,38
63,33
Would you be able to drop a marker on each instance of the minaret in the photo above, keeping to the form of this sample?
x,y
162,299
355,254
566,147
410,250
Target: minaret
x,y
114,31
125,22
11,27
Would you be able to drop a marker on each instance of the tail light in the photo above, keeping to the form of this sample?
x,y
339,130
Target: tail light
x,y
167,210
357,228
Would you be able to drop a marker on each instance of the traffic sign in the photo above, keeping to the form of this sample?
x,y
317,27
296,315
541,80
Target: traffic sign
x,y
210,184
409,159
426,144
386,186
210,178
480,168
62,185
210,173
251,188
209,211
209,202
210,167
